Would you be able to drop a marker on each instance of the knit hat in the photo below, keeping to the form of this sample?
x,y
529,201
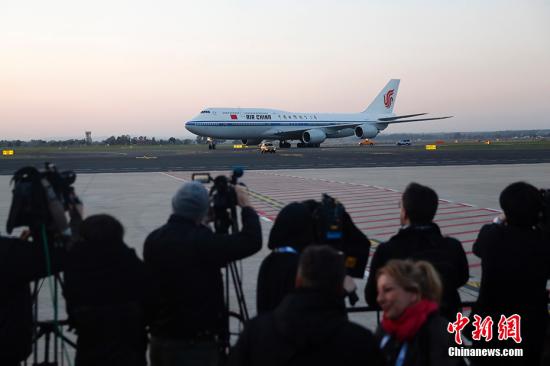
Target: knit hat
x,y
191,201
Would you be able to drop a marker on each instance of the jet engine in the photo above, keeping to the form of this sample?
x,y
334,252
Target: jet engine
x,y
366,131
314,136
251,142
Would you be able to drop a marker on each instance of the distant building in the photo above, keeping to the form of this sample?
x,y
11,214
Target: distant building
x,y
88,137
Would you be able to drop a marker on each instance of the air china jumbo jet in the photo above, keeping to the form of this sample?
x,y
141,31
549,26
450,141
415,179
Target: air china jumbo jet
x,y
253,125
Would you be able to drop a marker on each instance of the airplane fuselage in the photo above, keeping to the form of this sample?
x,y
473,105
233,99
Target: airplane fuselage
x,y
248,123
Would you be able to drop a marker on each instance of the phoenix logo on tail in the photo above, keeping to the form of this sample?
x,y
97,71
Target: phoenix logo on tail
x,y
388,98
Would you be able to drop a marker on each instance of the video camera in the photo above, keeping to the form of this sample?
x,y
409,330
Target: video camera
x,y
222,197
331,226
32,192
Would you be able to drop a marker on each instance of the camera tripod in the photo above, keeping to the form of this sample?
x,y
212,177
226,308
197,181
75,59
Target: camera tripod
x,y
232,271
49,331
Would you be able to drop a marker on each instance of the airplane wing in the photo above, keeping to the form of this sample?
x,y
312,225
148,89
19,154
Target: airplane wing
x,y
411,120
297,133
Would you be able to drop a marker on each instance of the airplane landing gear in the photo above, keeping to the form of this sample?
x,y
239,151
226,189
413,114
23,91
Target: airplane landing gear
x,y
284,145
211,144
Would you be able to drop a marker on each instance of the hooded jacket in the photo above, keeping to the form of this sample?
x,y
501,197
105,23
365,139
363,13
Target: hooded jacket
x,y
307,328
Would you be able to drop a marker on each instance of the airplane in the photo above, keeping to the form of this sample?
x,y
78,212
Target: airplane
x,y
253,125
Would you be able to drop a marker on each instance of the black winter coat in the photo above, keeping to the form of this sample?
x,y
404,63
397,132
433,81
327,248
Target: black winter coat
x,y
429,347
105,290
425,243
307,328
515,265
20,263
277,278
184,260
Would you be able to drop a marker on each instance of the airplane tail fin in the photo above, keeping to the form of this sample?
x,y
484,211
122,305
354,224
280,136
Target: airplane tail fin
x,y
385,100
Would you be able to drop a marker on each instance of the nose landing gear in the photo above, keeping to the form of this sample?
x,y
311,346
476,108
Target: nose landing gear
x,y
284,145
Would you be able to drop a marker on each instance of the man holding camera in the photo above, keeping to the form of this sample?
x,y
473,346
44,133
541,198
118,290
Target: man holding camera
x,y
185,258
38,207
515,266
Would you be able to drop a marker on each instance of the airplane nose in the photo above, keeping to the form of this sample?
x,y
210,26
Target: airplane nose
x,y
189,126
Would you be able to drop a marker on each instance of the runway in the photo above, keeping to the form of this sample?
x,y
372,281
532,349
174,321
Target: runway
x,y
139,159
468,190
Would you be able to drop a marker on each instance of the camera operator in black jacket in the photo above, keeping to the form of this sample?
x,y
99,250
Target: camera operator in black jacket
x,y
297,226
185,258
515,267
23,261
105,292
421,239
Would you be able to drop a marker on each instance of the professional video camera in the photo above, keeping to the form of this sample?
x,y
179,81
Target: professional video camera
x,y
222,197
32,193
331,223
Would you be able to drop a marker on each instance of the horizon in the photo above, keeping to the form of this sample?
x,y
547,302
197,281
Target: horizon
x,y
107,67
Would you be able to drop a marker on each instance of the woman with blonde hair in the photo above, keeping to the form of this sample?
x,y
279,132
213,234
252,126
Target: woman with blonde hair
x,y
412,332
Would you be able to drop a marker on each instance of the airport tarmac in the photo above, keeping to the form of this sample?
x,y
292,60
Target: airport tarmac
x,y
116,159
469,199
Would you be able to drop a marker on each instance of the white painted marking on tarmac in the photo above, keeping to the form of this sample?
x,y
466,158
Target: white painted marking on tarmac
x,y
174,177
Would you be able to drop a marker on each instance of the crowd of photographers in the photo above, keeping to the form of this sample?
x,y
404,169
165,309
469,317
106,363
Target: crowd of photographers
x,y
172,303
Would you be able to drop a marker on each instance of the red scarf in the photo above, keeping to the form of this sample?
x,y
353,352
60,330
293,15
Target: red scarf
x,y
407,325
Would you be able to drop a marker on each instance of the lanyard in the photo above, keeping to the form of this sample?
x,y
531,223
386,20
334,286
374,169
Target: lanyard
x,y
285,250
402,352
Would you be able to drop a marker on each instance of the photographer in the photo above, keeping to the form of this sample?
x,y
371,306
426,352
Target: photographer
x,y
298,225
515,265
185,258
310,326
105,291
420,239
291,233
36,206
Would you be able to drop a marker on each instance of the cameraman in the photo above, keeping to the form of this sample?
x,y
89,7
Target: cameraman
x,y
297,226
22,262
515,265
185,258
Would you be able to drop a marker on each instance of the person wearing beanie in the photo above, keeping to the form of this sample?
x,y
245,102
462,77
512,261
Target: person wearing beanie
x,y
185,258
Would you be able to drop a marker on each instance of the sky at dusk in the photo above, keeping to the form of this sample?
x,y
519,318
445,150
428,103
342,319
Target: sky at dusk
x,y
145,67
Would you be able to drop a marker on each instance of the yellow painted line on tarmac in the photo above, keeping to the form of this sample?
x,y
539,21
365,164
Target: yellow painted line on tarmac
x,y
270,201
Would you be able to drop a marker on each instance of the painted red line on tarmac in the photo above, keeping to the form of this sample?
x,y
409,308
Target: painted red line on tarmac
x,y
463,211
379,220
466,224
374,215
463,217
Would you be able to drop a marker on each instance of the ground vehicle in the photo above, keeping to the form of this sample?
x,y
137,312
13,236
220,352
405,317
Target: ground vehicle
x,y
267,147
404,142
366,142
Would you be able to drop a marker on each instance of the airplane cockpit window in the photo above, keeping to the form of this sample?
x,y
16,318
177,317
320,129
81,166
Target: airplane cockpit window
x,y
205,111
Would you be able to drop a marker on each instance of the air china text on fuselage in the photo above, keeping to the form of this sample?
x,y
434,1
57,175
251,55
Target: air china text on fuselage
x,y
253,125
